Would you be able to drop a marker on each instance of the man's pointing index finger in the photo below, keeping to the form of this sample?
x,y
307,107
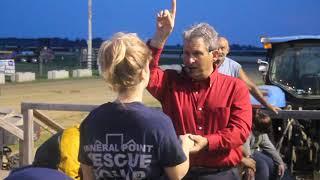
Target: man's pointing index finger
x,y
173,8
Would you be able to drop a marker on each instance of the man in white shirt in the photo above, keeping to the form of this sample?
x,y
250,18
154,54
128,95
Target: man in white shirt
x,y
230,67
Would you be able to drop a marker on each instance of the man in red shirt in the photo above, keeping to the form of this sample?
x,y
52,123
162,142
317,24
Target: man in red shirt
x,y
214,108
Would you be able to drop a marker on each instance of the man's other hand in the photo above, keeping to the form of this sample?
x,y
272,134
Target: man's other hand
x,y
200,143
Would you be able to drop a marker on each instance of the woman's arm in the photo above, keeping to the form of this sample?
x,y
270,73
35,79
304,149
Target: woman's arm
x,y
87,172
180,170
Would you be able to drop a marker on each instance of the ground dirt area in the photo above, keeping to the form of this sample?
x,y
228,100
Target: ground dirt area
x,y
73,91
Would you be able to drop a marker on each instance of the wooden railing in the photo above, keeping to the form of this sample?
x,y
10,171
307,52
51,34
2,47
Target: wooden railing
x,y
7,125
30,111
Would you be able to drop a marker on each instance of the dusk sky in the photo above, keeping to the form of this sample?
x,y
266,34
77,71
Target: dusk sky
x,y
241,22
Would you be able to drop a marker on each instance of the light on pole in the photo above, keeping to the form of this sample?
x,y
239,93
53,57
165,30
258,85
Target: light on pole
x,y
89,42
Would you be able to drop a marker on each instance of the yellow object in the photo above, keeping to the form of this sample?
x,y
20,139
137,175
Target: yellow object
x,y
5,52
267,45
69,150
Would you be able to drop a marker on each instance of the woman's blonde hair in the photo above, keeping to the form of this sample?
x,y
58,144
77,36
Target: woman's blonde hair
x,y
122,60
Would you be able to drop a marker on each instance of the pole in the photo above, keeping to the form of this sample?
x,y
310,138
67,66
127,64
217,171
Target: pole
x,y
28,145
40,66
89,61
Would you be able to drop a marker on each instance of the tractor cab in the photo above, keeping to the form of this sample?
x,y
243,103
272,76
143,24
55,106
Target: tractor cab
x,y
293,64
292,67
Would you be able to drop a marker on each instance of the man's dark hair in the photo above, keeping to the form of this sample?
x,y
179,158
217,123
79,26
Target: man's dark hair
x,y
262,122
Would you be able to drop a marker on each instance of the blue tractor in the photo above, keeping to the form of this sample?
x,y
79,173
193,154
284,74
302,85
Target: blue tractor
x,y
291,73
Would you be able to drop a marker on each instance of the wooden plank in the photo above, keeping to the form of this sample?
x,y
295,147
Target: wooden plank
x,y
296,114
6,111
11,128
28,144
47,121
58,107
8,115
44,126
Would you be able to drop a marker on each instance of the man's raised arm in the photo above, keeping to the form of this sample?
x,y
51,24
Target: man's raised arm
x,y
165,24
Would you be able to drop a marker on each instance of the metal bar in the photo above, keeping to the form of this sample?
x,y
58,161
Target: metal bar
x,y
296,114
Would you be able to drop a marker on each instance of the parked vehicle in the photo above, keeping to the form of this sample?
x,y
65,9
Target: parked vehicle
x,y
293,66
27,56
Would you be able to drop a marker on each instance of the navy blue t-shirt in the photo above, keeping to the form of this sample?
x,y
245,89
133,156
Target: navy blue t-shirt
x,y
128,141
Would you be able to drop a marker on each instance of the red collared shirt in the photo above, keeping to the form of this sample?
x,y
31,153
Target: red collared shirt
x,y
217,108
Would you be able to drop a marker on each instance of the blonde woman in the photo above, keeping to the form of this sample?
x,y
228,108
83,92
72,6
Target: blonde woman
x,y
125,139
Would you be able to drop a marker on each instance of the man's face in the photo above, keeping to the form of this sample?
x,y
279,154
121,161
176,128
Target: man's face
x,y
262,126
223,48
197,59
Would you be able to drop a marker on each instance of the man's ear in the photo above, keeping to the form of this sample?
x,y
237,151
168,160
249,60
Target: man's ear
x,y
214,55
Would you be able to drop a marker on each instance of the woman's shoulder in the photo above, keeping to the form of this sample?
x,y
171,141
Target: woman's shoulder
x,y
153,117
97,112
153,113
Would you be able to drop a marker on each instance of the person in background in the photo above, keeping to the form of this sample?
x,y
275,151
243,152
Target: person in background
x,y
259,149
125,139
60,152
214,108
230,67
